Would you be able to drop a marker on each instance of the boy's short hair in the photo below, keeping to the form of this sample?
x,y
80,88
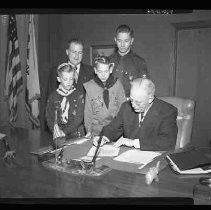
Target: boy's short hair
x,y
101,59
65,67
76,41
124,29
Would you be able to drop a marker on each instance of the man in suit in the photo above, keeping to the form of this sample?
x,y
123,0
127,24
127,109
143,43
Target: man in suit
x,y
143,122
83,73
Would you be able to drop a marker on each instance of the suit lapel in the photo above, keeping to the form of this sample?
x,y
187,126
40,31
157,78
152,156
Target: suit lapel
x,y
135,125
81,76
148,121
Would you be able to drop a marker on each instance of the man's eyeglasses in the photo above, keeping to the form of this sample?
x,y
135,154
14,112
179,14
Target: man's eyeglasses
x,y
139,103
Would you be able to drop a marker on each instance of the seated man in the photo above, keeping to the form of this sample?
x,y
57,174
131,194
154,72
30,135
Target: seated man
x,y
144,122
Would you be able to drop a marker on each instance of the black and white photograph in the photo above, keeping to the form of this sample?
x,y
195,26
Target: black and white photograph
x,y
105,107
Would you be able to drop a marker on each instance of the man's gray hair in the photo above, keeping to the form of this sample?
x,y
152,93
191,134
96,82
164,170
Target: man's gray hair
x,y
148,85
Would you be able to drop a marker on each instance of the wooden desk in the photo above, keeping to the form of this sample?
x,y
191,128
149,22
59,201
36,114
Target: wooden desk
x,y
31,180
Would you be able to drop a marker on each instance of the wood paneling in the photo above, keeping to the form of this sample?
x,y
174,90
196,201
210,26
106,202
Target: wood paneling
x,y
192,74
49,42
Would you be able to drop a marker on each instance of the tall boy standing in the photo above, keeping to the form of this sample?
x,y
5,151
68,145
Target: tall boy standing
x,y
128,65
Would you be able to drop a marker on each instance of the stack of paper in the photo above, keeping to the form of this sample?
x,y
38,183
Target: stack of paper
x,y
137,157
105,150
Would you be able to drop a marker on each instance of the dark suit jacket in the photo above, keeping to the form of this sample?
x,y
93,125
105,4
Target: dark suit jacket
x,y
86,73
158,131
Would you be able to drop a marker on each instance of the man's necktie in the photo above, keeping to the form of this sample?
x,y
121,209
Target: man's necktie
x,y
141,118
76,75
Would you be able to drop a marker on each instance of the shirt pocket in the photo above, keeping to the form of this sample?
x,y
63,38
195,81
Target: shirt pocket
x,y
97,105
114,100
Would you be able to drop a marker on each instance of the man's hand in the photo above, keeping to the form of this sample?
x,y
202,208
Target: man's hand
x,y
88,135
96,139
124,141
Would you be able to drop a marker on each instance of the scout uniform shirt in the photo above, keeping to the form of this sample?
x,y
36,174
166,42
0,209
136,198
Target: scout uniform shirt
x,y
127,68
96,113
70,112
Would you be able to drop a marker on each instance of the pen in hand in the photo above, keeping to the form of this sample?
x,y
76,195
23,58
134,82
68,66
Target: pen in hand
x,y
98,146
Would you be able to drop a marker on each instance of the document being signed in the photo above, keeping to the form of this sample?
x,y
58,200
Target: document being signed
x,y
105,150
137,157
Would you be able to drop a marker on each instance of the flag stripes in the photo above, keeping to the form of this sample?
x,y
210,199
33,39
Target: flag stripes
x,y
13,76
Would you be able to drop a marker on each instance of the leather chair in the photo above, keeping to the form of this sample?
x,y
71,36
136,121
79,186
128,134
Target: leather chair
x,y
184,119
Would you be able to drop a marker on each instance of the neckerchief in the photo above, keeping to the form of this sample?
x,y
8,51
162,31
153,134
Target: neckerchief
x,y
109,83
64,104
60,90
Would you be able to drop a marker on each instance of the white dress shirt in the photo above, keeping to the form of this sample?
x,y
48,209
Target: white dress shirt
x,y
136,141
77,71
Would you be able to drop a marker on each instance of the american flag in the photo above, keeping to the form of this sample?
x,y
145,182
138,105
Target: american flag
x,y
32,82
13,76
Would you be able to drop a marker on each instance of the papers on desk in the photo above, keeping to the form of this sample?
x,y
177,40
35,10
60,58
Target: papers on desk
x,y
137,157
2,135
87,158
105,150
